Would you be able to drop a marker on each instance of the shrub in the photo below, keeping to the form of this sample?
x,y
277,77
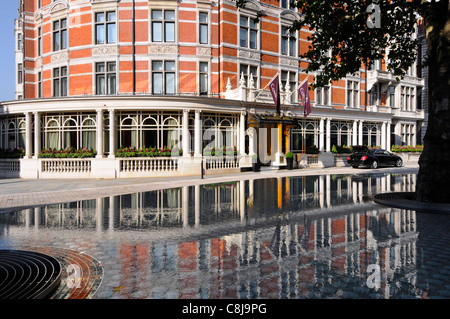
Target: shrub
x,y
289,155
312,150
341,149
67,153
12,153
148,152
406,148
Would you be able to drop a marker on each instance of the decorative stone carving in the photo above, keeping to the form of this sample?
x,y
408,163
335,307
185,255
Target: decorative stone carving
x,y
249,55
203,51
39,62
290,62
104,50
58,7
159,49
60,56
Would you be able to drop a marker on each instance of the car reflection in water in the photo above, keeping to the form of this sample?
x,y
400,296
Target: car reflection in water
x,y
299,237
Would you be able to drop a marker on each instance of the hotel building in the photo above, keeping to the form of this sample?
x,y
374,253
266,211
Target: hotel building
x,y
108,74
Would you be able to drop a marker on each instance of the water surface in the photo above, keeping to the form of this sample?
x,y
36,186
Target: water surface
x,y
297,237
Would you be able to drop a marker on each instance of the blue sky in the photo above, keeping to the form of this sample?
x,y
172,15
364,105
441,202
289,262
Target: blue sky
x,y
7,76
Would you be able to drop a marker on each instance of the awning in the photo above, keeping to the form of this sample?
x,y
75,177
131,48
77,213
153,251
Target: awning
x,y
255,119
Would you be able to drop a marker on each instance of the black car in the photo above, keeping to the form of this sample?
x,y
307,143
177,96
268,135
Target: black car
x,y
363,156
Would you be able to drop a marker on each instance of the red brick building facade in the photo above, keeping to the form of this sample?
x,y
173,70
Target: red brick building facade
x,y
125,71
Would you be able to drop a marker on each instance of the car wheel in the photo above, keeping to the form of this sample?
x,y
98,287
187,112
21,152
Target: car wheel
x,y
374,164
399,163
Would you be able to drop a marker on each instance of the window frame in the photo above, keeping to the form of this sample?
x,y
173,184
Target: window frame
x,y
39,88
60,33
164,23
204,24
58,80
105,23
289,43
19,73
353,92
108,76
249,30
164,71
248,73
203,73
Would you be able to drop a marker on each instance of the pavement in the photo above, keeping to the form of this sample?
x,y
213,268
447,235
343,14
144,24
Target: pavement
x,y
16,193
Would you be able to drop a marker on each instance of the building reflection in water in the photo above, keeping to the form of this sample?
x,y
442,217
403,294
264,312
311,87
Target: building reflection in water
x,y
302,237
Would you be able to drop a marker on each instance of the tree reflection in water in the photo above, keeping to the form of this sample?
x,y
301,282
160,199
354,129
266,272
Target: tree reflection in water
x,y
299,237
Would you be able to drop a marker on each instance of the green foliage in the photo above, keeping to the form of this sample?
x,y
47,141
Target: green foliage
x,y
148,152
67,153
406,148
312,150
289,155
341,28
12,153
341,149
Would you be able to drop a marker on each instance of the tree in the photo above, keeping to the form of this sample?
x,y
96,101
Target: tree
x,y
358,32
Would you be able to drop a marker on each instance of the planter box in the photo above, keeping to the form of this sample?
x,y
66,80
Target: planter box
x,y
340,160
409,157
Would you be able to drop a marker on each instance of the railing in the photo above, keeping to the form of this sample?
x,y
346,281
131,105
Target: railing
x,y
154,164
221,162
66,165
9,167
312,159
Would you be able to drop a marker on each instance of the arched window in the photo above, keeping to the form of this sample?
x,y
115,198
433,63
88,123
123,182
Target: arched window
x,y
334,134
12,135
226,131
53,134
70,134
88,134
3,144
128,136
310,135
373,136
365,135
171,133
150,132
209,133
22,134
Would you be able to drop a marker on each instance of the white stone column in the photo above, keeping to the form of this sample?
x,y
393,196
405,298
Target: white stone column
x,y
383,135
328,135
186,138
355,132
251,131
388,136
37,134
99,133
413,134
321,135
360,133
197,134
242,133
112,133
28,136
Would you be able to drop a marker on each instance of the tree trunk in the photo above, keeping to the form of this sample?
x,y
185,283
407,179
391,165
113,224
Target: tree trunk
x,y
433,181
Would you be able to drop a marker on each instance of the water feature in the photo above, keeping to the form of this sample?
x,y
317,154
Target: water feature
x,y
295,237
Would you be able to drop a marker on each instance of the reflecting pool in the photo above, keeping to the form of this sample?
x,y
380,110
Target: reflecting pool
x,y
296,237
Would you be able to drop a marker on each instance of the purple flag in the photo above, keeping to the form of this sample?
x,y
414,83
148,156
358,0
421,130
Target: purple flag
x,y
304,95
275,90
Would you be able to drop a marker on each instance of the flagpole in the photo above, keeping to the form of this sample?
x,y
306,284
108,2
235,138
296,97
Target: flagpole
x,y
278,72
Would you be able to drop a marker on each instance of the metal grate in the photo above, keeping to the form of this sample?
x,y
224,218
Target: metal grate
x,y
28,275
